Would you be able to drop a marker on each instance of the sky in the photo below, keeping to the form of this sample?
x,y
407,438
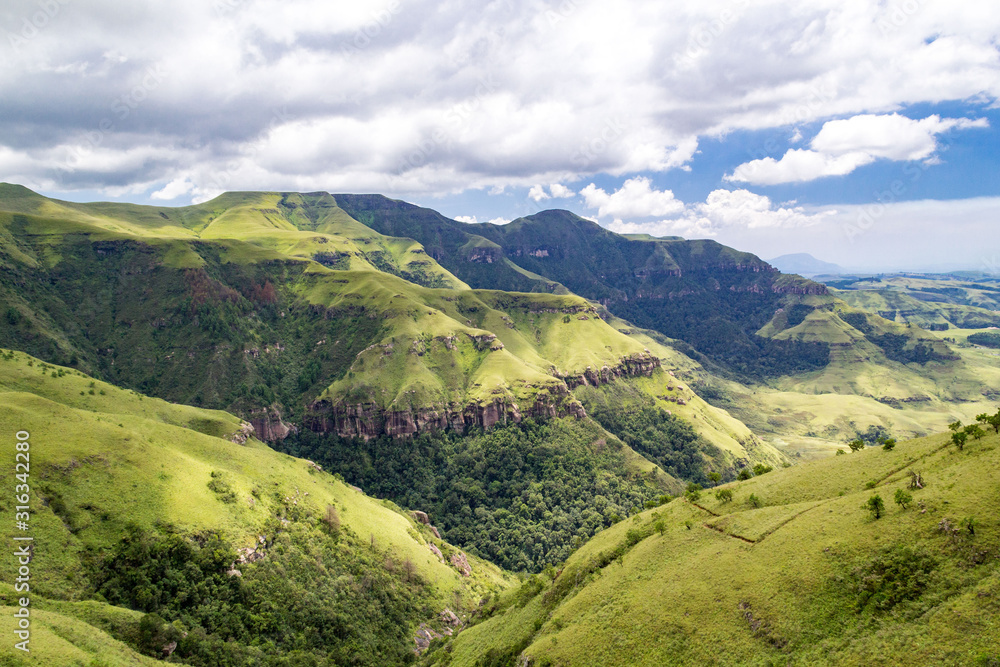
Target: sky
x,y
864,132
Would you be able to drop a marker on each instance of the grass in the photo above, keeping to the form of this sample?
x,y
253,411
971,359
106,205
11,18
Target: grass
x,y
696,594
104,461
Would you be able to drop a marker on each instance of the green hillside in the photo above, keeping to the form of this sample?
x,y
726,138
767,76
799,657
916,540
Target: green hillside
x,y
139,506
285,310
793,569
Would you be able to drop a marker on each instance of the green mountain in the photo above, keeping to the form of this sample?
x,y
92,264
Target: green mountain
x,y
792,567
159,525
324,333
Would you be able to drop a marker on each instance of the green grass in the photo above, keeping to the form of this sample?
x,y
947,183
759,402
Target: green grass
x,y
107,461
783,594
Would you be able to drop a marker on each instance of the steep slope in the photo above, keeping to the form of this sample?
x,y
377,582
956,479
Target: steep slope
x,y
706,294
172,510
793,569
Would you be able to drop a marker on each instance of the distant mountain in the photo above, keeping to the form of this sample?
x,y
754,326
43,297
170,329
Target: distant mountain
x,y
804,264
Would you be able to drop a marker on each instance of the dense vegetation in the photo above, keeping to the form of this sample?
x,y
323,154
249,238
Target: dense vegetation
x,y
985,338
320,595
522,495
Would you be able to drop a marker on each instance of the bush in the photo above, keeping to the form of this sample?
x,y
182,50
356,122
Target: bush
x,y
724,495
754,501
893,576
761,469
856,445
903,498
744,474
876,506
889,444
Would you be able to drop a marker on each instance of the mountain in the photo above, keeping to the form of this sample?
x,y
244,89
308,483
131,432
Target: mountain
x,y
804,264
145,513
790,567
331,338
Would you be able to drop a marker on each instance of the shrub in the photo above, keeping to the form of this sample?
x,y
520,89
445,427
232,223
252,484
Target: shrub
x,y
693,492
856,445
897,574
754,501
724,495
903,498
876,506
958,438
332,520
744,474
889,444
761,469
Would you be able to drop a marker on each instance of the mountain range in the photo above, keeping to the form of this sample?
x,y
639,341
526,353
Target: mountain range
x,y
514,392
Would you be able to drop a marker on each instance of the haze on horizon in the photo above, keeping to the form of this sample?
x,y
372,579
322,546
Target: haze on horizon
x,y
862,132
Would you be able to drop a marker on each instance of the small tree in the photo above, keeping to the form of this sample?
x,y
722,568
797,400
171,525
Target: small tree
x,y
724,495
761,469
856,445
903,498
954,426
660,527
693,492
916,480
958,438
876,506
889,444
715,477
754,501
332,520
744,474
990,420
975,431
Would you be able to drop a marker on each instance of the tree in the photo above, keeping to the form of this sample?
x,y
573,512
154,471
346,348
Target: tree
x,y
954,426
856,445
916,480
876,506
889,444
975,431
754,501
990,420
761,469
903,498
715,477
693,492
724,495
959,438
744,474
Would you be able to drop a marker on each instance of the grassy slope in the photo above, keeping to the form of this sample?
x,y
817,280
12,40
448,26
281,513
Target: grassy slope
x,y
682,597
116,458
424,355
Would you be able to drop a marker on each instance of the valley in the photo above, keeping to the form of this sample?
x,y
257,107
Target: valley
x,y
416,426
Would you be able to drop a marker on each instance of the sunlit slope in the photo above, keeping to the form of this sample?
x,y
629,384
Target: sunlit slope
x,y
106,461
800,574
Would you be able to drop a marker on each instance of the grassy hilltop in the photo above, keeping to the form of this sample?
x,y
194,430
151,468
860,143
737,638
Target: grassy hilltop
x,y
791,569
142,506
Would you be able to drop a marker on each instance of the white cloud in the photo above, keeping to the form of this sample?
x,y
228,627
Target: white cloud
x,y
636,198
433,98
841,146
173,189
499,221
471,219
726,210
537,193
559,191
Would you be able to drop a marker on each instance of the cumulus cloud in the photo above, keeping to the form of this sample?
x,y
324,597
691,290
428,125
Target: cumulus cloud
x,y
559,191
636,198
726,210
537,193
433,98
841,146
471,219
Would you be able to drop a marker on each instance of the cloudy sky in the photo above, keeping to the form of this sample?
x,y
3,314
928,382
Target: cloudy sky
x,y
862,131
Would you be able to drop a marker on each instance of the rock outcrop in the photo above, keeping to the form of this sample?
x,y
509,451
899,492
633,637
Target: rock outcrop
x,y
368,420
268,426
631,366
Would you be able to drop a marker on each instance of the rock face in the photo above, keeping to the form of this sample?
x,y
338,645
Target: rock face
x,y
241,436
368,420
461,563
631,366
268,426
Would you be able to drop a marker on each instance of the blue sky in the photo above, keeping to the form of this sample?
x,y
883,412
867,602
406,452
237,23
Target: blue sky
x,y
864,132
